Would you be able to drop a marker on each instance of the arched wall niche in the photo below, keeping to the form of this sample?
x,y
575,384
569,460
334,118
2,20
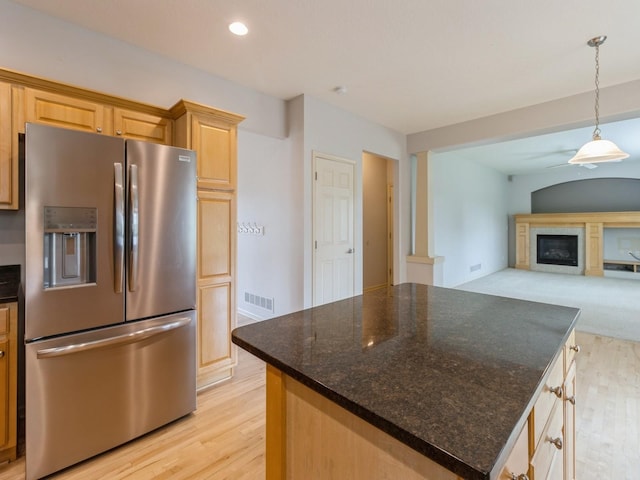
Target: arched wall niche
x,y
589,195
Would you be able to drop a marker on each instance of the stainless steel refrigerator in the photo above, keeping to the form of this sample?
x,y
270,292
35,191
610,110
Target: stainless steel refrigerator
x,y
109,292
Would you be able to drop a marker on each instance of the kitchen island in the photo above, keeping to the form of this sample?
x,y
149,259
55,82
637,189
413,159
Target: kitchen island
x,y
414,381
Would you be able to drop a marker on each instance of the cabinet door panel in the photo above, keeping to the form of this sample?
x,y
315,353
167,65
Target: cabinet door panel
x,y
6,177
142,126
216,212
215,324
216,319
215,143
62,111
5,390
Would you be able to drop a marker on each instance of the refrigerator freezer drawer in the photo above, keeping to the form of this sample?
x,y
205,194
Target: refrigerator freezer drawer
x,y
89,392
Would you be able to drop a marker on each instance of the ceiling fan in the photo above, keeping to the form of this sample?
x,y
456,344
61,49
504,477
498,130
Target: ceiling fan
x,y
571,152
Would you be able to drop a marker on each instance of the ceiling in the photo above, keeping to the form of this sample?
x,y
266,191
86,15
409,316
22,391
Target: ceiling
x,y
411,65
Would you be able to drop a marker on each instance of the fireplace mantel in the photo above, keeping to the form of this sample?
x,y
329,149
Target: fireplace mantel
x,y
593,224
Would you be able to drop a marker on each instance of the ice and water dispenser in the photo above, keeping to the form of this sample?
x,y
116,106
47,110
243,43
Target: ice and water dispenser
x,y
69,246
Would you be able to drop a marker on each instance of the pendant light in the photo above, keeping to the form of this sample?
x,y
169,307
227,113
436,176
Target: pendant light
x,y
598,150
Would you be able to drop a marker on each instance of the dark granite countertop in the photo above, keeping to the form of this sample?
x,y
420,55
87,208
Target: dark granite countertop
x,y
9,283
451,374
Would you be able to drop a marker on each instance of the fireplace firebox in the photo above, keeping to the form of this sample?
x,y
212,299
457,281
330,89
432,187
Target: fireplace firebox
x,y
557,250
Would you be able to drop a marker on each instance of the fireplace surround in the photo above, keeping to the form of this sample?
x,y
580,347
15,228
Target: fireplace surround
x,y
588,226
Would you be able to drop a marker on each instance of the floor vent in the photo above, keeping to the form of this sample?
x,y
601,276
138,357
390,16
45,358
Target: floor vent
x,y
258,301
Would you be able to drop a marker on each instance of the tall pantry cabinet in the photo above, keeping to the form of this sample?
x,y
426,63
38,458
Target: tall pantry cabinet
x,y
213,135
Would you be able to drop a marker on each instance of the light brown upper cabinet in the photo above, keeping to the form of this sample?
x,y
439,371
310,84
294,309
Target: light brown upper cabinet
x,y
66,112
79,114
213,134
142,126
8,161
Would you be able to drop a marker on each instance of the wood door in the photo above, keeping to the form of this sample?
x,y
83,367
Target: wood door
x,y
67,112
8,164
333,229
216,288
215,142
142,126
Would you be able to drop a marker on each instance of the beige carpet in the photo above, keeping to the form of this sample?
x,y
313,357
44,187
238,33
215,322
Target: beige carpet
x,y
609,306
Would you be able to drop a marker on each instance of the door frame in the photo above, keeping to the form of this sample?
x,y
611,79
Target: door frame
x,y
318,156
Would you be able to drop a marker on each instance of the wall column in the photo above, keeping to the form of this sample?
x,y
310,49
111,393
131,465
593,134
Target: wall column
x,y
422,266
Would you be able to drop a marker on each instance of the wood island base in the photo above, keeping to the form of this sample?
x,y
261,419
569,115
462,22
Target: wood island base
x,y
311,437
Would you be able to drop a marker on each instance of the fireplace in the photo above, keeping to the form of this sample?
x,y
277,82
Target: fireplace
x,y
557,250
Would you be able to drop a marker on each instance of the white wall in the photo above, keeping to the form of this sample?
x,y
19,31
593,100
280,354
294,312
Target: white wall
x,y
330,130
469,217
269,194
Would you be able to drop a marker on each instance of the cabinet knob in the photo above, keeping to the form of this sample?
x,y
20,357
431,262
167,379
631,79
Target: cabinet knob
x,y
557,442
118,132
99,129
575,348
557,391
572,400
1,353
522,476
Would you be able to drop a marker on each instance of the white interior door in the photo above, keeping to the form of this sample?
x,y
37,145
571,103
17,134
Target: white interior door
x,y
333,229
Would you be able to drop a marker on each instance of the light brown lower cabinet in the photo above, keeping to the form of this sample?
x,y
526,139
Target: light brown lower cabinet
x,y
216,287
8,380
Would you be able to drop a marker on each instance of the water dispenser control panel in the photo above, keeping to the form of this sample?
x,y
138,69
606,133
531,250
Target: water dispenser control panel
x,y
69,246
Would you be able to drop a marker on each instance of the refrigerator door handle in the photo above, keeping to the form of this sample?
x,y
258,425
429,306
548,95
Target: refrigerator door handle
x,y
123,339
134,223
118,233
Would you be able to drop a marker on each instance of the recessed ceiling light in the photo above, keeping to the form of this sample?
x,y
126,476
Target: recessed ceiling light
x,y
238,28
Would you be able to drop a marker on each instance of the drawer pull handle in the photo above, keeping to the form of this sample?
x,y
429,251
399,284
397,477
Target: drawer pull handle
x,y
1,353
575,348
522,476
557,442
557,391
572,399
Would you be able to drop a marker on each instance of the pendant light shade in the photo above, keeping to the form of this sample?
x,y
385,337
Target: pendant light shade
x,y
598,150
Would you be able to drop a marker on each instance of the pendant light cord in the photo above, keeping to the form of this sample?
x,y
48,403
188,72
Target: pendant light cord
x,y
596,132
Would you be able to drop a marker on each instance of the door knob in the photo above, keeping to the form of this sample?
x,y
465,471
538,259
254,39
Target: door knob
x,y
350,250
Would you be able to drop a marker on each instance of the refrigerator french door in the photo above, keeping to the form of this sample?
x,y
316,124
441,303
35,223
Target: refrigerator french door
x,y
109,292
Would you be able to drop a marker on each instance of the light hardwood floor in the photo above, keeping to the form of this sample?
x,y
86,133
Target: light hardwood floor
x,y
224,439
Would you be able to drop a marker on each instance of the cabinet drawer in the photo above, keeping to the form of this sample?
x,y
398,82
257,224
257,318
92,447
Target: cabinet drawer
x,y
570,350
550,395
547,459
4,320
